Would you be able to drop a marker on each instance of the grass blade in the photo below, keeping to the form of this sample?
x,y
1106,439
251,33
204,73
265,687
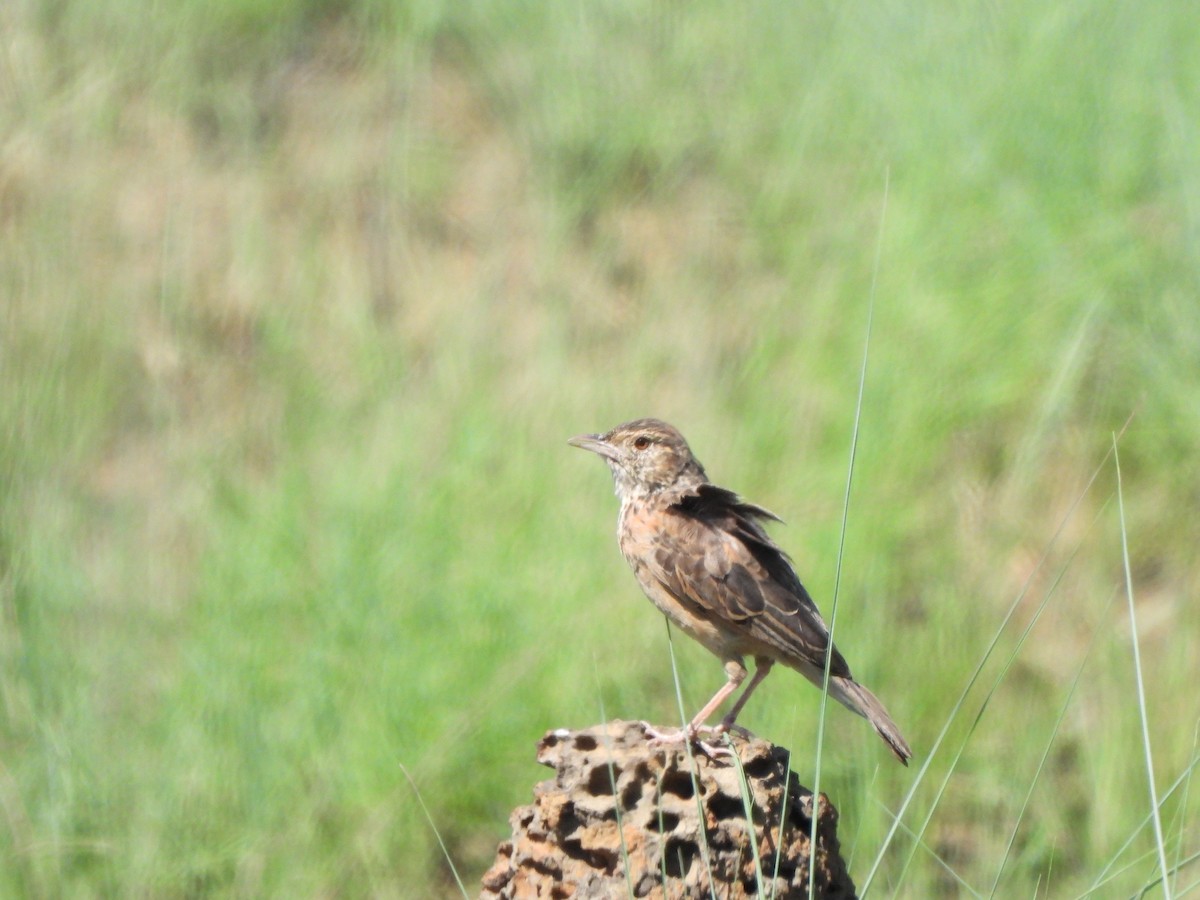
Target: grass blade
x,y
612,779
712,890
1141,688
433,827
1008,663
1174,871
868,792
837,578
962,882
1012,609
1104,877
748,806
662,857
1183,804
783,820
1062,714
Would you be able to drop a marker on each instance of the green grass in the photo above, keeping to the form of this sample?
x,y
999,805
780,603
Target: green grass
x,y
299,302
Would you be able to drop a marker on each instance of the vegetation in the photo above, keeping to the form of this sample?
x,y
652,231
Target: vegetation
x,y
301,300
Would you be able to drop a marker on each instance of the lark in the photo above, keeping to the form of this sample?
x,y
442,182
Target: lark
x,y
701,554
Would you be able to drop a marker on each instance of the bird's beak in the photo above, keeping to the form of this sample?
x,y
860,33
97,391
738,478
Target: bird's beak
x,y
597,445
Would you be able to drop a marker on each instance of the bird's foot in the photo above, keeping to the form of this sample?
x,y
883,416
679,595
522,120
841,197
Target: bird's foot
x,y
719,732
728,727
714,751
663,738
688,734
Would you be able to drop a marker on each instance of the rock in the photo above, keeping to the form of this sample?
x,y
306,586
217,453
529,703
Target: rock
x,y
622,817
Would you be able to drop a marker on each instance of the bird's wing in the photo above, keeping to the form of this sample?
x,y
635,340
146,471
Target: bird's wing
x,y
720,558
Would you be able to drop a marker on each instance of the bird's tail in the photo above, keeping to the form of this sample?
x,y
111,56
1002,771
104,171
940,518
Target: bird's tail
x,y
857,698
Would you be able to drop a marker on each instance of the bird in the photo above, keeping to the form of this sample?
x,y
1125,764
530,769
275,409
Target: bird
x,y
703,557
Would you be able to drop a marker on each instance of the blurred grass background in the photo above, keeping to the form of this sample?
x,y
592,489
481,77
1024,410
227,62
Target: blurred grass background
x,y
301,299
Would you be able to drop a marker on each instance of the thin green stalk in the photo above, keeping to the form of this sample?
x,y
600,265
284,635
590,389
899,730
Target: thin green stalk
x,y
1012,609
1138,860
662,856
837,578
1183,804
867,792
1008,663
433,826
783,818
1194,885
1104,877
941,862
612,779
748,806
712,890
1174,871
1062,714
1141,688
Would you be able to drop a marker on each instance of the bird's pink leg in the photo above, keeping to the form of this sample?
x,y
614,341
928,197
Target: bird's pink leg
x,y
736,672
762,668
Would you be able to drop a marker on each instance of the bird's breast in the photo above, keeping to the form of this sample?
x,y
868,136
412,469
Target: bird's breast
x,y
638,530
647,536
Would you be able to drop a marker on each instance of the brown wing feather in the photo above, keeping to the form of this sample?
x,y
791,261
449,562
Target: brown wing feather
x,y
743,578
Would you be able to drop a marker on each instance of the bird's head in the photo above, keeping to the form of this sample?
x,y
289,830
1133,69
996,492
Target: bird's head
x,y
646,456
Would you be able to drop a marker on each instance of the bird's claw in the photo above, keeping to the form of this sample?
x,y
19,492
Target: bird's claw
x,y
689,734
713,751
731,728
662,738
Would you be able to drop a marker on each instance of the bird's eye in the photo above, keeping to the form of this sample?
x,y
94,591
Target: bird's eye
x,y
641,443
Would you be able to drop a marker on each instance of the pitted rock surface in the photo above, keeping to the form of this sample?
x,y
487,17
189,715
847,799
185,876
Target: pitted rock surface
x,y
623,817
